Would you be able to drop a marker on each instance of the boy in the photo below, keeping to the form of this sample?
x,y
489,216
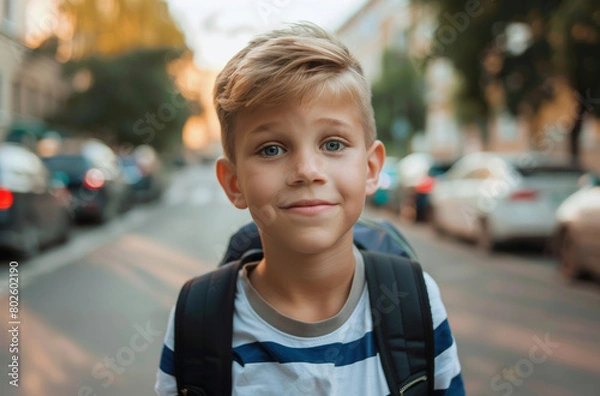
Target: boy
x,y
301,154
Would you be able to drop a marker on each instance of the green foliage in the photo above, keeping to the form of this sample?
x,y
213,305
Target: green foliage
x,y
118,26
398,101
130,99
565,40
578,51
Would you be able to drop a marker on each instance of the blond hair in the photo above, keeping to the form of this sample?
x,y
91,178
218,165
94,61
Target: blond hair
x,y
297,63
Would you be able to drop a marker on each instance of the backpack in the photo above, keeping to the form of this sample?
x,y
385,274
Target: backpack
x,y
403,330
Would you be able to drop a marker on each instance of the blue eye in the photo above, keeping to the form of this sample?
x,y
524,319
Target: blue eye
x,y
334,145
271,151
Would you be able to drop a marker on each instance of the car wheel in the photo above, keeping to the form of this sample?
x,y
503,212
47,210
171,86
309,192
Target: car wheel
x,y
108,212
31,242
66,229
569,260
485,239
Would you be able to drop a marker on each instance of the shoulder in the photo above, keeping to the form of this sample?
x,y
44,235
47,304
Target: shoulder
x,y
448,378
438,310
165,384
443,335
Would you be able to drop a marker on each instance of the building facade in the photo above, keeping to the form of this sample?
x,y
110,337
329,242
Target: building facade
x,y
31,86
408,28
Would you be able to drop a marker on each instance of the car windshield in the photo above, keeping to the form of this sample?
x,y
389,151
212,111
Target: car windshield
x,y
72,165
439,169
550,170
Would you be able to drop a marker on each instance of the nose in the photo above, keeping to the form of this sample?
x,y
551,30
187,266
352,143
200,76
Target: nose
x,y
307,166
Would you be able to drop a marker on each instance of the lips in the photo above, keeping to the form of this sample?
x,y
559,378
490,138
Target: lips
x,y
306,202
309,207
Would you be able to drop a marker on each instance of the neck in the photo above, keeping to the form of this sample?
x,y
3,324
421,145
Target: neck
x,y
306,287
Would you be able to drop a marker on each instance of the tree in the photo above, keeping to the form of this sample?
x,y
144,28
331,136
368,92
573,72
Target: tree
x,y
113,27
118,53
578,24
398,100
126,100
565,39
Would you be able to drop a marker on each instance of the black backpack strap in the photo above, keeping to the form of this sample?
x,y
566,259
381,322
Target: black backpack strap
x,y
203,333
402,322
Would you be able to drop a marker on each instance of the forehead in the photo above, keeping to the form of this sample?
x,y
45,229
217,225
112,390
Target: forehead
x,y
325,107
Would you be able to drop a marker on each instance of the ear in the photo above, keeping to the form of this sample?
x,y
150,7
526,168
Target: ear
x,y
228,180
375,159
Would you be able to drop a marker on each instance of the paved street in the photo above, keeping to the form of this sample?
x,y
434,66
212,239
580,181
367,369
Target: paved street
x,y
93,312
520,329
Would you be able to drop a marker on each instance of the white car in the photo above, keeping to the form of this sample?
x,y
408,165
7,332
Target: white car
x,y
578,231
495,197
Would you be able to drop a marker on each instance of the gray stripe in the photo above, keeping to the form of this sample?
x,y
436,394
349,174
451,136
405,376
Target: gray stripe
x,y
306,329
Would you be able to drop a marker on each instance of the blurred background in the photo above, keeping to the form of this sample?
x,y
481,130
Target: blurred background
x,y
489,112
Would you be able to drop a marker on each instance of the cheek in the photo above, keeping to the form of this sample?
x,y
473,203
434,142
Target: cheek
x,y
260,190
352,180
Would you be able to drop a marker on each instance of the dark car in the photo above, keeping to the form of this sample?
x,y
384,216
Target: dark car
x,y
578,230
92,173
34,211
418,174
144,175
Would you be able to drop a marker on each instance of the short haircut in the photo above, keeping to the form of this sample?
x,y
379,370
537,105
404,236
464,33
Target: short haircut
x,y
299,63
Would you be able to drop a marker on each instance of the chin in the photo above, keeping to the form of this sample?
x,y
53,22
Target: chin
x,y
315,242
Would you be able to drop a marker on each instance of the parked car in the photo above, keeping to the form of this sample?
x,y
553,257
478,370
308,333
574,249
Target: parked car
x,y
92,173
494,198
34,211
144,174
418,173
386,194
578,231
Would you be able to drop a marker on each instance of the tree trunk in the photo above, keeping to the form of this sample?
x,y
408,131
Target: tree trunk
x,y
574,148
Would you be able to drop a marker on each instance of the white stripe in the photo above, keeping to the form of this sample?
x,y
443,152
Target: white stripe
x,y
170,333
438,311
447,367
299,379
165,385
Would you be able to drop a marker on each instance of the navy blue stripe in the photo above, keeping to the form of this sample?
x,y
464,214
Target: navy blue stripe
x,y
337,353
456,388
167,361
442,338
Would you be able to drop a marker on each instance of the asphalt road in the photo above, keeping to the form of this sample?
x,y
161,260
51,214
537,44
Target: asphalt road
x,y
92,313
520,329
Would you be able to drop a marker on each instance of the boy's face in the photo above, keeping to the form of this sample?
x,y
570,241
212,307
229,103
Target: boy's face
x,y
303,171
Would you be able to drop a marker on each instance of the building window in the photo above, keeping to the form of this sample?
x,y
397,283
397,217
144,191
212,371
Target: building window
x,y
31,102
2,101
9,10
16,98
8,17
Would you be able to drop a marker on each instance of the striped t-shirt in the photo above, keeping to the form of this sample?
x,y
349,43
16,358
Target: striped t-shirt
x,y
276,355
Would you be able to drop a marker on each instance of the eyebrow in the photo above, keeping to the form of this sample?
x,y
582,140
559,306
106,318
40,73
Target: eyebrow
x,y
333,122
262,128
266,127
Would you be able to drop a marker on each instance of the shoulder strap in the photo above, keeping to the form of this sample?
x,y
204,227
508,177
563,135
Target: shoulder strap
x,y
203,332
402,322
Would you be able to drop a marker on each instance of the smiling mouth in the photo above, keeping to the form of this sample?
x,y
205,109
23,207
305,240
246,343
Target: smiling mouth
x,y
309,207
